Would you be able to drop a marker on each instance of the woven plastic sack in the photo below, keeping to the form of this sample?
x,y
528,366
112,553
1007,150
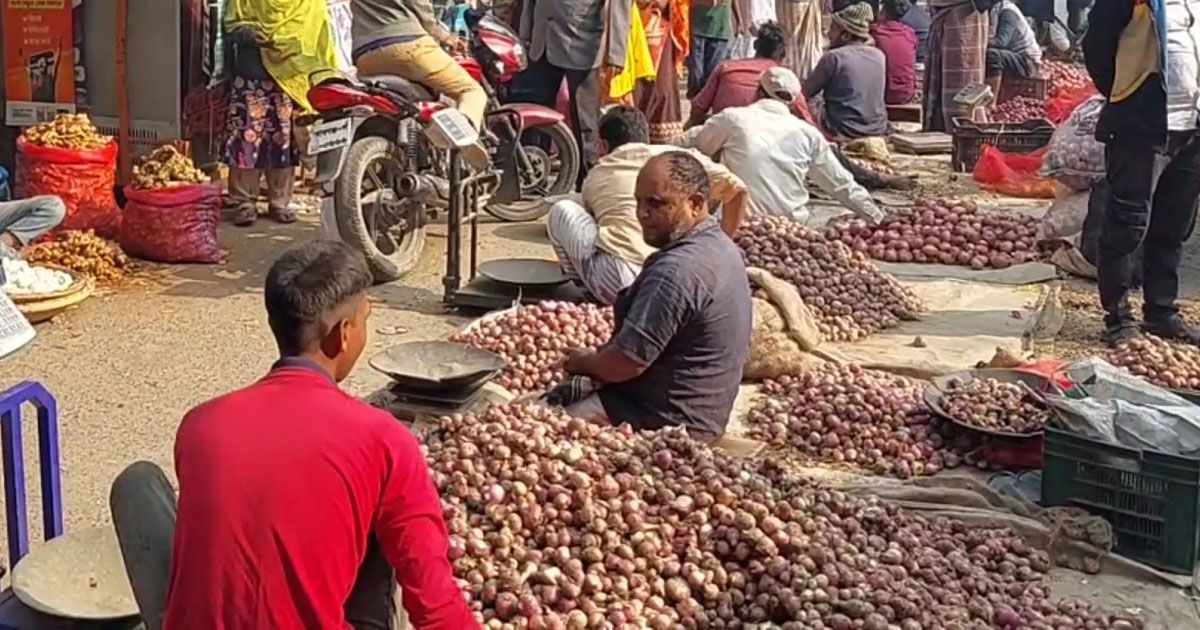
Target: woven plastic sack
x,y
1065,216
1074,157
172,225
1013,174
84,180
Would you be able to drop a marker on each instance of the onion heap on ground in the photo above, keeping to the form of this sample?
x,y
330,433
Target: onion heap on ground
x,y
67,131
556,523
847,414
994,405
850,295
167,167
1063,77
535,339
1165,363
1018,109
83,252
944,231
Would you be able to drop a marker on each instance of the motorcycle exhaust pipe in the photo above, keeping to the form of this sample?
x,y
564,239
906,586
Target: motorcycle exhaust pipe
x,y
413,185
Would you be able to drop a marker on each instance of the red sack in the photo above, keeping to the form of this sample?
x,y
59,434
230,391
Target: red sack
x,y
83,179
1059,107
1013,174
172,225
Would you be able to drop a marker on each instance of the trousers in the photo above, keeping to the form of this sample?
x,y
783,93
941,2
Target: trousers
x,y
243,188
143,508
1157,216
705,54
573,235
423,61
540,84
27,219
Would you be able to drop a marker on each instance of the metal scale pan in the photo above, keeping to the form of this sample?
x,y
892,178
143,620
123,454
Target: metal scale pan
x,y
437,366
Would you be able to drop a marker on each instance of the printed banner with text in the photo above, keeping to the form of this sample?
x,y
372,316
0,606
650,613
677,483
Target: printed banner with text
x,y
39,64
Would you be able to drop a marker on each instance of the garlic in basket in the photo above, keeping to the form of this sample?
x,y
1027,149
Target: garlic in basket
x,y
20,278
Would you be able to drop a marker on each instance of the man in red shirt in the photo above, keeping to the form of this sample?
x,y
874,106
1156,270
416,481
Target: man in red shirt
x,y
735,82
299,505
898,43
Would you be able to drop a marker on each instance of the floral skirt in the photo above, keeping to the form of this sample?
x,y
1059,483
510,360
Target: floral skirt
x,y
258,129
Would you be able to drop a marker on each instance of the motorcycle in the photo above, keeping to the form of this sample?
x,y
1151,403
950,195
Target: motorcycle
x,y
387,181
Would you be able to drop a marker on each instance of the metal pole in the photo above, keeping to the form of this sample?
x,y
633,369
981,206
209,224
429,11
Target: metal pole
x,y
452,280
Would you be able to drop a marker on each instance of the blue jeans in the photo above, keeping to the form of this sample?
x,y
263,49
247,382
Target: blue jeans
x,y
703,58
27,219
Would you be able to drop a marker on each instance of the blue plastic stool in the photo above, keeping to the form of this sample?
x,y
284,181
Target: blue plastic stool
x,y
14,465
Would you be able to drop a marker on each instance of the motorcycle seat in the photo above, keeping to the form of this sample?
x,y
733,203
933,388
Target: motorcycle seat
x,y
409,89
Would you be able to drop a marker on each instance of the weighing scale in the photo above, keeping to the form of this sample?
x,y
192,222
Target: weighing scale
x,y
494,284
974,97
434,378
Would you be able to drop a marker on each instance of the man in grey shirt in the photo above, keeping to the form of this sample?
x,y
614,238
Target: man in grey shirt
x,y
402,37
682,329
572,39
851,78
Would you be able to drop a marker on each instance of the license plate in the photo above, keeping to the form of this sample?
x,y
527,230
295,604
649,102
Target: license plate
x,y
330,135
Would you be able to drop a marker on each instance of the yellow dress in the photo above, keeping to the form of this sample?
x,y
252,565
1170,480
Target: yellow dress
x,y
300,39
638,62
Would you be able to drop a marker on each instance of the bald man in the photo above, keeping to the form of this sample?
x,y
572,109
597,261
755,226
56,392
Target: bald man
x,y
683,327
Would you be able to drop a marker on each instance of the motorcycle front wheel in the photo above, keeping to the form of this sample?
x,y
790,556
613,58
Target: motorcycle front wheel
x,y
366,207
551,172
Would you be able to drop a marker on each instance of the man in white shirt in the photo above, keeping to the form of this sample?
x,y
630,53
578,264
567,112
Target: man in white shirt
x,y
774,152
600,243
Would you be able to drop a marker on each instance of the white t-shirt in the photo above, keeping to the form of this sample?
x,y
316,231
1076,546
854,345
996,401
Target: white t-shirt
x,y
1183,64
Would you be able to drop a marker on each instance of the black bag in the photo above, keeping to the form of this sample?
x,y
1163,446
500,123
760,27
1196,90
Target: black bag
x,y
244,55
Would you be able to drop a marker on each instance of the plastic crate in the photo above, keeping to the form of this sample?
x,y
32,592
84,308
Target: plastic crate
x,y
1012,87
1151,499
968,138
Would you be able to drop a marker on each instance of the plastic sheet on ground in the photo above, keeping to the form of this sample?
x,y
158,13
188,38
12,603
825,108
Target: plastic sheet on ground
x,y
965,322
1024,273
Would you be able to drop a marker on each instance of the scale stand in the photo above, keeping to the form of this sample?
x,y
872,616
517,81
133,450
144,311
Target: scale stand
x,y
468,196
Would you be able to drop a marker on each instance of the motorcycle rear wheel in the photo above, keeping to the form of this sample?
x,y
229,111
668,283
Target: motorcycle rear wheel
x,y
569,159
389,256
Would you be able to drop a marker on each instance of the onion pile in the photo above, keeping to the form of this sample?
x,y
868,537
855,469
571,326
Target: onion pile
x,y
1164,363
994,405
557,524
1064,77
1018,109
844,413
851,296
944,231
535,340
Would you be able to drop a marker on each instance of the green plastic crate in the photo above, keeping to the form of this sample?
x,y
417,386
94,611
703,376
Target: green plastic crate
x,y
1151,499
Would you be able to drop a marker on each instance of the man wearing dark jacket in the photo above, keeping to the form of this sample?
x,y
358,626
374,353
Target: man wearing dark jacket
x,y
1148,124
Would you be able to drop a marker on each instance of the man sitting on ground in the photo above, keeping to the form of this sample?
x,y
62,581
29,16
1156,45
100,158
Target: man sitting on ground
x,y
775,153
851,78
898,43
600,243
682,329
735,81
23,221
296,500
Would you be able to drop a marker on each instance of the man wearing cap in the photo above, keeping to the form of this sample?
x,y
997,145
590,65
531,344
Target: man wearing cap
x,y
851,78
774,152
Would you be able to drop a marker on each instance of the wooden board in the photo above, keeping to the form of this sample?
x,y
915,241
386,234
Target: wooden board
x,y
921,143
